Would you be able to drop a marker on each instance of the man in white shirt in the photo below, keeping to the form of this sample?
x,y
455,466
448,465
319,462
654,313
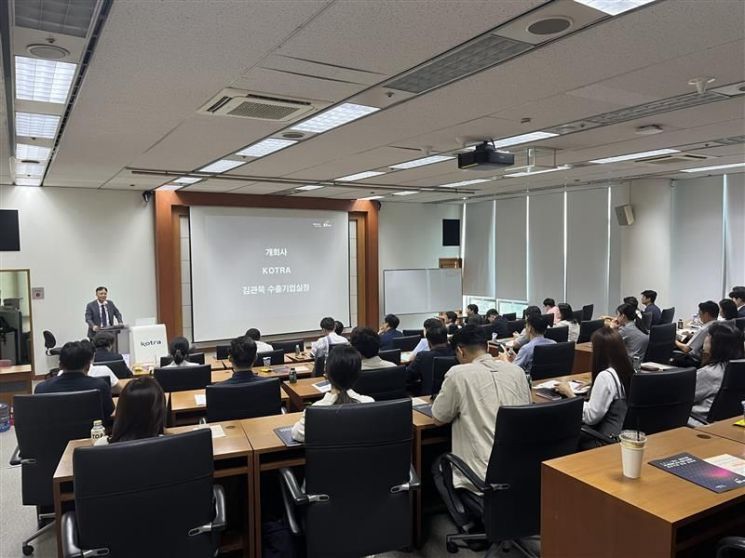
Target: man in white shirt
x,y
330,337
261,347
367,343
423,345
99,371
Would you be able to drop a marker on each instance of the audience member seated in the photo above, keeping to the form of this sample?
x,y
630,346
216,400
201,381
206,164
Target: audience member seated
x,y
242,358
423,345
738,297
472,315
535,328
631,328
180,353
648,300
388,331
140,412
498,323
437,340
103,342
367,342
261,347
549,307
99,371
343,369
338,327
521,338
611,378
721,344
567,320
320,347
708,312
452,322
75,360
727,311
469,398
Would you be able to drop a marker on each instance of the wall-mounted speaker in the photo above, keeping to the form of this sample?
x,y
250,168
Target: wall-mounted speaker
x,y
451,232
10,235
625,215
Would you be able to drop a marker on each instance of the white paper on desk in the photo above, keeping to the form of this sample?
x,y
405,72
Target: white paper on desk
x,y
655,366
217,431
302,369
418,401
406,357
200,399
729,462
577,387
323,387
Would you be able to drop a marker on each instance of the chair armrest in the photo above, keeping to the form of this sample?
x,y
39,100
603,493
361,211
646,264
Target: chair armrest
x,y
15,459
289,481
221,520
467,472
69,530
729,543
699,417
602,438
412,484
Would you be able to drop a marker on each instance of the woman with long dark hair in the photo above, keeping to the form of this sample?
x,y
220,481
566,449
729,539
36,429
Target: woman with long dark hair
x,y
140,412
343,369
180,352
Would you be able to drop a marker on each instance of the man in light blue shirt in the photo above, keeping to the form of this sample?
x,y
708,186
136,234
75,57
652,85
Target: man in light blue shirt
x,y
423,345
535,328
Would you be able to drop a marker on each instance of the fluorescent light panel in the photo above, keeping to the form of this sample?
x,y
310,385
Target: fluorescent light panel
x,y
464,183
309,187
423,161
523,138
371,198
359,176
543,171
32,152
614,7
185,180
28,181
633,156
335,117
223,165
30,169
716,167
34,125
405,193
266,147
47,81
169,187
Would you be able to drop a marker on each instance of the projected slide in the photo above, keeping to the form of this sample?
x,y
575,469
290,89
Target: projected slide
x,y
280,270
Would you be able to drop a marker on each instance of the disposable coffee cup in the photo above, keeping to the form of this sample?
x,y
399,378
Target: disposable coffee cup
x,y
632,452
267,361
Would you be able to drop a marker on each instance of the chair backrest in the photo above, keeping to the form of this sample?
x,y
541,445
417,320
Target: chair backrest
x,y
558,334
412,333
222,352
383,384
44,423
647,320
259,398
661,343
440,367
728,400
277,356
197,358
510,317
165,482
319,366
406,343
578,316
118,367
660,400
587,328
487,329
515,326
355,454
289,345
740,324
667,315
182,378
548,318
391,355
49,341
525,436
550,361
587,310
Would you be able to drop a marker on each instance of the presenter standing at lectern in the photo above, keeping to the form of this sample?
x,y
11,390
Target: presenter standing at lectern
x,y
101,312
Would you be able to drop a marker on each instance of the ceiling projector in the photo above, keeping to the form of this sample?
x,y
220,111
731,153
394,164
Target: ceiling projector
x,y
485,157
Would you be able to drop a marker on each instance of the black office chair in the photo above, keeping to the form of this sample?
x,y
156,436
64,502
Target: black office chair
x,y
510,317
118,367
667,316
661,400
558,334
391,355
551,361
259,398
289,346
432,381
515,326
182,378
277,356
412,333
578,316
661,343
487,329
728,400
548,318
524,437
383,384
222,352
319,367
197,358
587,328
740,324
731,547
358,478
44,424
50,343
647,320
165,482
587,311
406,343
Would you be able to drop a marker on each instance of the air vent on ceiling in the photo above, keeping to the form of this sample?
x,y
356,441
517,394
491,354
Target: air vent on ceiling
x,y
244,104
673,158
67,17
659,106
734,140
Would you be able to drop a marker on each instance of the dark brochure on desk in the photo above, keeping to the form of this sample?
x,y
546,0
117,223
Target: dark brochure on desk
x,y
698,471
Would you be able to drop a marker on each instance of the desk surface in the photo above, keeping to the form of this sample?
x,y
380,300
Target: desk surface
x,y
260,431
283,370
725,429
584,377
584,347
185,401
17,369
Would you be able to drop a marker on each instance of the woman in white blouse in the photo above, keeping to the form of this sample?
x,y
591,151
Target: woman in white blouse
x,y
180,353
567,320
343,369
611,375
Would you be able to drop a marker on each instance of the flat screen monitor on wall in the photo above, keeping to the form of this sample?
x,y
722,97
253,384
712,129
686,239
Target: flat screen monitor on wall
x,y
10,237
451,232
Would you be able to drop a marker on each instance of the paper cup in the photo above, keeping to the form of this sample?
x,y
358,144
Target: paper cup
x,y
632,453
267,361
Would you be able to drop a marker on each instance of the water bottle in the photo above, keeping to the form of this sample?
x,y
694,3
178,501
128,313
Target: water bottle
x,y
680,323
297,350
98,431
293,376
637,364
4,417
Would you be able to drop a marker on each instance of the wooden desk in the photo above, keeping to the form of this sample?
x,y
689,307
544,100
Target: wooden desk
x,y
217,376
725,429
589,509
232,454
582,357
302,392
585,378
186,410
304,356
282,371
15,380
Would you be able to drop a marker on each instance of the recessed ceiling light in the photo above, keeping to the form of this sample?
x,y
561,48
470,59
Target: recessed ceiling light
x,y
43,80
223,165
542,171
464,183
523,138
185,180
169,187
423,161
335,117
34,125
359,176
28,181
614,7
30,169
716,167
405,193
632,156
309,187
33,152
265,147
371,198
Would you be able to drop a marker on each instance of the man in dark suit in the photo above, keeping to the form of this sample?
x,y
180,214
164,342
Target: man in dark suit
x,y
242,357
738,297
498,323
75,360
649,298
437,338
101,312
103,342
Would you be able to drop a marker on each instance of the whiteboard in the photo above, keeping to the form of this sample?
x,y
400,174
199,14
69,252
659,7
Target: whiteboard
x,y
419,291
